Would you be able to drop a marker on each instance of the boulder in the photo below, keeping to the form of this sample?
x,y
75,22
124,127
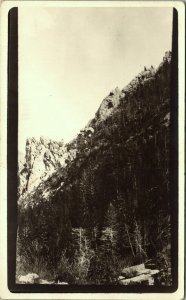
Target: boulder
x,y
147,279
133,271
139,274
44,281
30,278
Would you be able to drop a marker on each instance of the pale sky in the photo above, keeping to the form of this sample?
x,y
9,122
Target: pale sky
x,y
71,58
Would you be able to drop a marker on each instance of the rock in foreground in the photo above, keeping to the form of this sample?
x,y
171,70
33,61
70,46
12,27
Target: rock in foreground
x,y
137,275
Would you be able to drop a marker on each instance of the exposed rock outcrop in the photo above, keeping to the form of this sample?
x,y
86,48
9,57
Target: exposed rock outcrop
x,y
43,157
30,278
109,104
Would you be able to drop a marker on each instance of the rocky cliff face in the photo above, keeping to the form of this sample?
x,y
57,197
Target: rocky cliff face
x,y
109,104
43,157
109,186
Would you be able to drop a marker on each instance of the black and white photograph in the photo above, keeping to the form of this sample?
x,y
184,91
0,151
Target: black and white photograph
x,y
94,206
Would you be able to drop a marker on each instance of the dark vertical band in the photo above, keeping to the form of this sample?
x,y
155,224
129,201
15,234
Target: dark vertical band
x,y
12,140
174,149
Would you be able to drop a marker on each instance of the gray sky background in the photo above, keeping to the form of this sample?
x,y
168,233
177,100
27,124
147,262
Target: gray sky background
x,y
71,58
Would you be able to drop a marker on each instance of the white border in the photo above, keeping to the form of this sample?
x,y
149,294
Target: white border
x,y
5,7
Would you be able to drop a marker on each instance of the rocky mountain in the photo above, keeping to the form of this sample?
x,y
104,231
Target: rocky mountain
x,y
104,195
43,157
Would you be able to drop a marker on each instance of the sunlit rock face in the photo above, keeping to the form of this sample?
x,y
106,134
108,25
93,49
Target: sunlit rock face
x,y
42,158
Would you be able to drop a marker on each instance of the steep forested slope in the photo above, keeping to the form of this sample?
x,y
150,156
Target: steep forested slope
x,y
107,205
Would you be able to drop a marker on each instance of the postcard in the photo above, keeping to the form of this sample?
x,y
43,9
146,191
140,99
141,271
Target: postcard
x,y
92,149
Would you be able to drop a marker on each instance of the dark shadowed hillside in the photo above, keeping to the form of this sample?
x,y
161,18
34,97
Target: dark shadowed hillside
x,y
101,202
